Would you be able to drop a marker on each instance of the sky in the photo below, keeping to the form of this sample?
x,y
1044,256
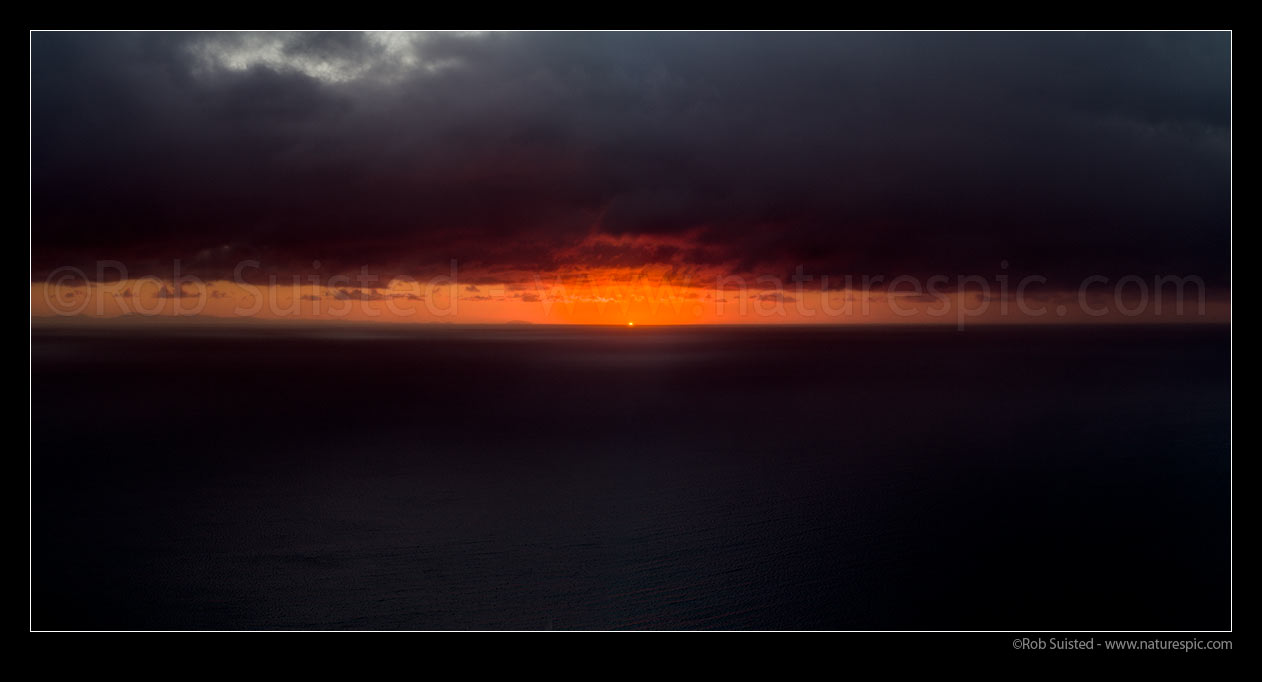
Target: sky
x,y
628,177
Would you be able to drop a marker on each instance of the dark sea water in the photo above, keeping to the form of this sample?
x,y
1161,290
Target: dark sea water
x,y
608,478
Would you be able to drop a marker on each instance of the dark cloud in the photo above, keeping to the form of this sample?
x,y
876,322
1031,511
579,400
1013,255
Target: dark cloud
x,y
357,295
176,292
847,153
367,295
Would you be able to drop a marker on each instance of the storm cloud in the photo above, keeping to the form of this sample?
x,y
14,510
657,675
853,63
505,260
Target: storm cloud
x,y
1059,154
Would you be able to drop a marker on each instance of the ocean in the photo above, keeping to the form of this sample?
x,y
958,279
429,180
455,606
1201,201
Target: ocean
x,y
547,477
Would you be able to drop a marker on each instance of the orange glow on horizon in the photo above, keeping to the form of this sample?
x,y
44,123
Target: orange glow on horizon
x,y
593,298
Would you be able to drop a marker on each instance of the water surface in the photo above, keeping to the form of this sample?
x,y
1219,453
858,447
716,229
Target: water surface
x,y
590,477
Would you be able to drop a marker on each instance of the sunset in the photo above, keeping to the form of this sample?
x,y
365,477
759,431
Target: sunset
x,y
631,330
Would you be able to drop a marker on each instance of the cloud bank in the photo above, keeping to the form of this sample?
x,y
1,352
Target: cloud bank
x,y
1063,154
